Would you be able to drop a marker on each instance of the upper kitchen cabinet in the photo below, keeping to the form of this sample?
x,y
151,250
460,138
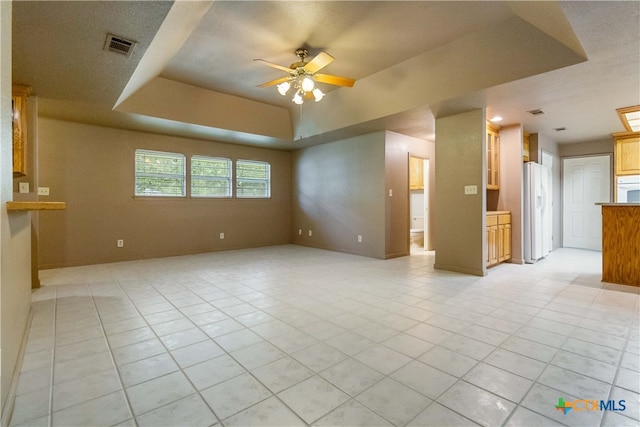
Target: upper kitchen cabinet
x,y
19,127
526,137
627,153
627,144
493,158
416,173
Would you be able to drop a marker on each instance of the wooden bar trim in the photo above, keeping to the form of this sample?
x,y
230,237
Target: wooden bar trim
x,y
35,206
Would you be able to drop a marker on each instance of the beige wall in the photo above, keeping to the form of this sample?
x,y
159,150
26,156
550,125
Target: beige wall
x,y
338,194
511,186
586,148
460,220
91,168
398,148
15,234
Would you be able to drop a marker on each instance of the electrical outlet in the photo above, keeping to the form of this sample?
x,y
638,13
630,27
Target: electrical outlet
x,y
221,236
310,233
470,189
300,232
359,239
24,187
390,192
43,191
120,243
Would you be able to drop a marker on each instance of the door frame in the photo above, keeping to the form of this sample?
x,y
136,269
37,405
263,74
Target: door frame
x,y
426,191
611,184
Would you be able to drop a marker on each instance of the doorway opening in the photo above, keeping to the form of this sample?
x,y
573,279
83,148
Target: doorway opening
x,y
418,203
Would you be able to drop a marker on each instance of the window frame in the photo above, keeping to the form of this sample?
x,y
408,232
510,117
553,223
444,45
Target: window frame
x,y
228,178
238,179
182,177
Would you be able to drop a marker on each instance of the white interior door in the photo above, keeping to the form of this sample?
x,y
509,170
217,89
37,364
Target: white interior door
x,y
586,181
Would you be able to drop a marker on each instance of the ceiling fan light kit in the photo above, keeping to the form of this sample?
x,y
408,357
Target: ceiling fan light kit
x,y
302,77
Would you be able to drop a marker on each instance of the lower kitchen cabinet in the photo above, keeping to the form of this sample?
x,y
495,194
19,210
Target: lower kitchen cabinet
x,y
498,237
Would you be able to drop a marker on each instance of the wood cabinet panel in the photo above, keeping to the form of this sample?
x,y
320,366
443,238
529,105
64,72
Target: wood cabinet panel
x,y
627,152
621,244
506,242
493,158
416,173
19,128
525,146
492,242
498,238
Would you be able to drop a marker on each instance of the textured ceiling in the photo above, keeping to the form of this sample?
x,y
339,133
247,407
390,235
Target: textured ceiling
x,y
364,37
578,61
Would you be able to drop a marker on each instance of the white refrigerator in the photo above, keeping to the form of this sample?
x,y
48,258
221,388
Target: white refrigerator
x,y
538,215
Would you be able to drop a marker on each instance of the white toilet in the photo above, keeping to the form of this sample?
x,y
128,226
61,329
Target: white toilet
x,y
417,232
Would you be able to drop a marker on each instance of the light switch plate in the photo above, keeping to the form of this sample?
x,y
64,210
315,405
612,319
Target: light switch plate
x,y
470,189
24,187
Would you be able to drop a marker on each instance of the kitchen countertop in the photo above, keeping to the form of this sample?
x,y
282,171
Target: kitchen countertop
x,y
617,204
498,212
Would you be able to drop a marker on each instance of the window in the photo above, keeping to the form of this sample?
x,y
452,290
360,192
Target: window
x,y
159,174
253,179
210,177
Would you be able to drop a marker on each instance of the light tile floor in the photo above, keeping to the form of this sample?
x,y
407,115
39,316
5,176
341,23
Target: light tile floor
x,y
288,335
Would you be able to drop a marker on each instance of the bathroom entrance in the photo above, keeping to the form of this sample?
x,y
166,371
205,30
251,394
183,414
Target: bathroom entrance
x,y
418,202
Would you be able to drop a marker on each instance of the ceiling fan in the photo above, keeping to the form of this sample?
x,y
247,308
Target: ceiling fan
x,y
303,76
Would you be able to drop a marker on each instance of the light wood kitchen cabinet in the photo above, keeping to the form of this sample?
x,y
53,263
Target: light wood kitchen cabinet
x,y
627,153
416,173
504,237
526,136
492,239
19,128
493,158
498,237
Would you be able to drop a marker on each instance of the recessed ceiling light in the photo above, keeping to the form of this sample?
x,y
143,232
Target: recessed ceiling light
x,y
495,119
559,129
536,112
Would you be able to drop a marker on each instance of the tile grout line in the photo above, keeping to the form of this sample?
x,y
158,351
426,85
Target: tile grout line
x,y
615,377
279,293
180,368
535,381
53,357
115,366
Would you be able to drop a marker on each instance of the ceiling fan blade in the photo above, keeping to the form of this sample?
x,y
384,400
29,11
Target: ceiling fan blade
x,y
334,80
319,62
275,82
271,64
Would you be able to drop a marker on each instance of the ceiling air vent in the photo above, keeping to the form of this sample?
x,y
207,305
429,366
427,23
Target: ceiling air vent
x,y
559,129
536,112
119,45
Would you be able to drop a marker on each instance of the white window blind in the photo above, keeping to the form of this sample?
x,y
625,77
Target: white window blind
x,y
159,173
210,177
253,179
